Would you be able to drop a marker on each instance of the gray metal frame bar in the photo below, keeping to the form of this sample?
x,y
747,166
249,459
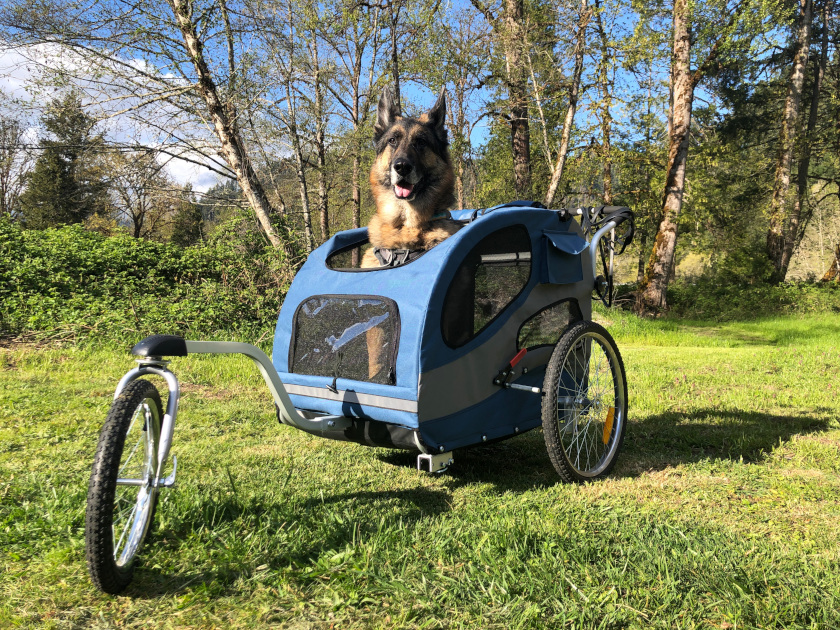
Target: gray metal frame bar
x,y
593,246
288,414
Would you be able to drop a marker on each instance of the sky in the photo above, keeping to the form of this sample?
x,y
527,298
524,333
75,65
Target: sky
x,y
20,99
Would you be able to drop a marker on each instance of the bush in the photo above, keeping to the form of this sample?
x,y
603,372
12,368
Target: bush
x,y
718,301
70,283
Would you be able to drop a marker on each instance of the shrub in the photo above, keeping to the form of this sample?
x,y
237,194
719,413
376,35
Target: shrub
x,y
717,301
71,283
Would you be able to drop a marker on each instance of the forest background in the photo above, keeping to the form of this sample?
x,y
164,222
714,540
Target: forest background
x,y
716,121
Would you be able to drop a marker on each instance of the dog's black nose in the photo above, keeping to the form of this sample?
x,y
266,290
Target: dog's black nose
x,y
403,167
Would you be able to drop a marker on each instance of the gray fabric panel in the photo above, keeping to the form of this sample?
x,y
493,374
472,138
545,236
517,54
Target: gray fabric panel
x,y
370,400
469,380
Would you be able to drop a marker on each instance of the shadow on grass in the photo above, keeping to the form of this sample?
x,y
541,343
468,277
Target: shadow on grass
x,y
333,522
330,523
673,438
654,443
761,334
517,464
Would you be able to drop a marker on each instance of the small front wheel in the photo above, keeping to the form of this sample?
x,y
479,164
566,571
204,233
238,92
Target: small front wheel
x,y
122,495
584,409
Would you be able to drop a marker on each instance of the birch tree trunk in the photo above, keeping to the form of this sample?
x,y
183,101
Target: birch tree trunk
x,y
604,106
799,216
780,215
652,296
320,144
223,118
574,94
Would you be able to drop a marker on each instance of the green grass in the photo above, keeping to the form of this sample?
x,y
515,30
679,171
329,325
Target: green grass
x,y
723,511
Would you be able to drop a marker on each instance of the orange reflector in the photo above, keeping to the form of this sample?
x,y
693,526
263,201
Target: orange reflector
x,y
608,424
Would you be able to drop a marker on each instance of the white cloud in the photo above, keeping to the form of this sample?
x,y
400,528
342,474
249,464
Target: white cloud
x,y
24,95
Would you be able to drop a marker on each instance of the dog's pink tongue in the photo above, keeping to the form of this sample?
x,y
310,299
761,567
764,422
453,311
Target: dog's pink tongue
x,y
401,192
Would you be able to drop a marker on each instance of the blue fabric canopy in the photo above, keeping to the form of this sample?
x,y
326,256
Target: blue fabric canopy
x,y
442,326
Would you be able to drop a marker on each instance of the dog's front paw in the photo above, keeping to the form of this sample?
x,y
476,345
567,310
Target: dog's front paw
x,y
439,234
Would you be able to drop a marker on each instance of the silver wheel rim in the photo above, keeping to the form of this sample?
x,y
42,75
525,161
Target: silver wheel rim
x,y
133,503
590,405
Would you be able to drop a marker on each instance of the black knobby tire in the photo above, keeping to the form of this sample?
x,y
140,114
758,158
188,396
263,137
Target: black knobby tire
x,y
584,409
118,517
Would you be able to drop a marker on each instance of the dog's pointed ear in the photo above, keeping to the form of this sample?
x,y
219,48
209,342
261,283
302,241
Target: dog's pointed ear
x,y
437,116
386,113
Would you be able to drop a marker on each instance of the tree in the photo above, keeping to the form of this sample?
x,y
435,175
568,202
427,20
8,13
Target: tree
x,y
574,93
508,23
141,193
176,70
783,223
456,60
66,184
353,40
720,29
15,164
187,220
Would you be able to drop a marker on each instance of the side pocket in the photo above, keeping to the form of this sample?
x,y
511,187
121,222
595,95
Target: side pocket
x,y
561,257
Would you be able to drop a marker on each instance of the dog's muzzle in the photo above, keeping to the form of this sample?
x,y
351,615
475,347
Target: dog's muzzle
x,y
405,177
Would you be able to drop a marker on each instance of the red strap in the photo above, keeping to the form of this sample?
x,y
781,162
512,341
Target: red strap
x,y
518,357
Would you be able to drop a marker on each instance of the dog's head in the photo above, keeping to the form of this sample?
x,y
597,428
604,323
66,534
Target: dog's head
x,y
412,157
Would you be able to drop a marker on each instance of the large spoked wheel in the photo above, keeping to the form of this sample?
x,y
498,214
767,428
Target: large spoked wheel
x,y
122,494
584,409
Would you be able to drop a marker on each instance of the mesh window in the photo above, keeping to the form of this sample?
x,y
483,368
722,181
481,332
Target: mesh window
x,y
492,275
342,260
353,337
546,327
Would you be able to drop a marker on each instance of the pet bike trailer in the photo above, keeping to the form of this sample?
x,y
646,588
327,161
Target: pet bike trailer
x,y
483,337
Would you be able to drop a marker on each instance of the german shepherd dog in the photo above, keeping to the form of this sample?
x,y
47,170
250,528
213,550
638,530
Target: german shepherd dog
x,y
411,179
413,185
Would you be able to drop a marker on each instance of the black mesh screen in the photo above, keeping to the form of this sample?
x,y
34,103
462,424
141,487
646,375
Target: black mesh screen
x,y
343,259
545,327
352,337
491,277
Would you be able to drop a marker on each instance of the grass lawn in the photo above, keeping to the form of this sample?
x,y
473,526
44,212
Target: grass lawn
x,y
723,510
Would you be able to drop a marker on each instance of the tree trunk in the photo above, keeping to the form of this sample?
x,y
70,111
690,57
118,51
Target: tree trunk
x,y
833,273
520,131
224,124
799,217
509,30
604,106
574,92
309,241
297,148
357,205
780,215
653,291
320,146
640,268
394,18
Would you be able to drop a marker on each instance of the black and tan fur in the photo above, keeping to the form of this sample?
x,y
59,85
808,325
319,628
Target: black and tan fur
x,y
411,153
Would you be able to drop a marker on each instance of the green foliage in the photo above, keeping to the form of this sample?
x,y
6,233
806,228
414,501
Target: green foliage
x,y
67,184
710,299
187,222
70,283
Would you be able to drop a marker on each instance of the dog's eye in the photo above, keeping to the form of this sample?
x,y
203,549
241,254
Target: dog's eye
x,y
392,141
419,142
